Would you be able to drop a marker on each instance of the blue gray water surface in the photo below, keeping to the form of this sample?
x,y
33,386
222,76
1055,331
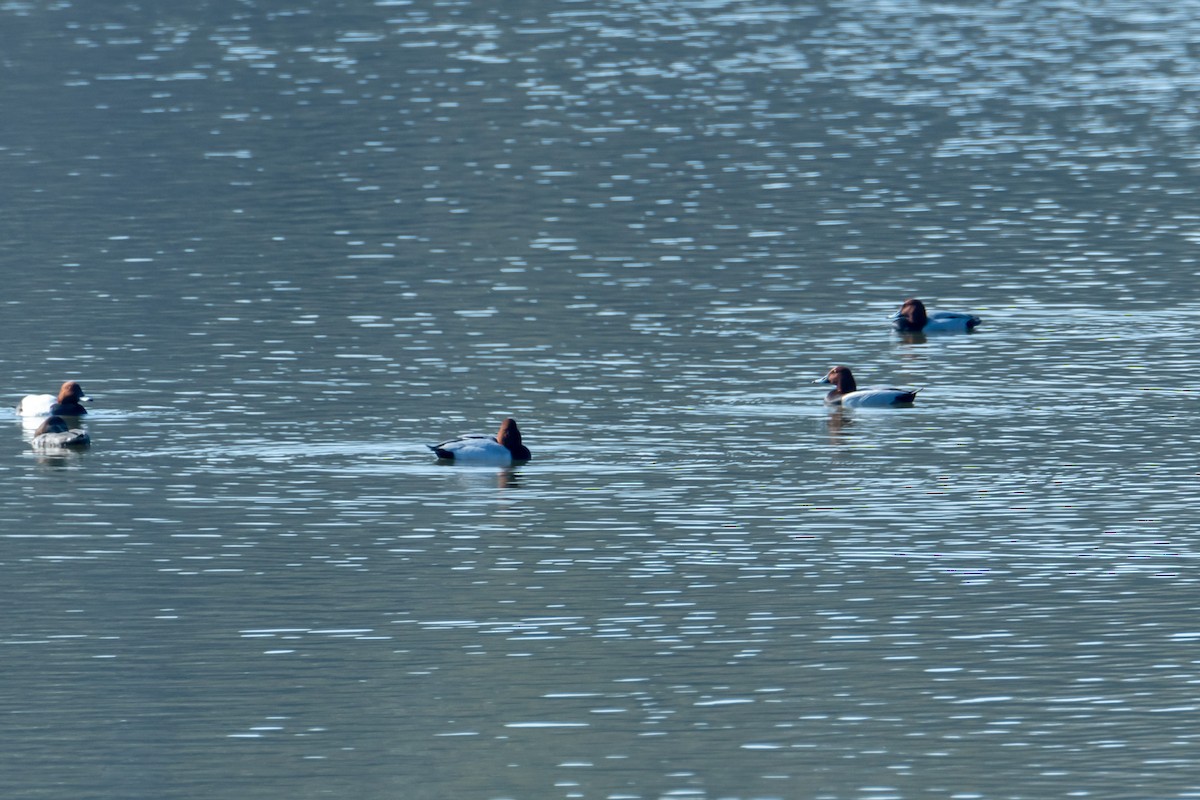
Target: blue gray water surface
x,y
285,246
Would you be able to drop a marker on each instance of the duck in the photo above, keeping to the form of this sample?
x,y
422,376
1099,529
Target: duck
x,y
480,448
55,434
913,318
68,403
847,394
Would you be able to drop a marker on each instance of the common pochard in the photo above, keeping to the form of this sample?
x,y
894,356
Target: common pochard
x,y
502,449
68,403
55,434
847,394
913,318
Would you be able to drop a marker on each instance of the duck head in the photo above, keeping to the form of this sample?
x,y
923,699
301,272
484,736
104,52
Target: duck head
x,y
911,315
841,377
70,392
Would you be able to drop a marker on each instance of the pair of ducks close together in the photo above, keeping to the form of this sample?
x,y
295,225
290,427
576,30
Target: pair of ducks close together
x,y
911,318
55,432
506,446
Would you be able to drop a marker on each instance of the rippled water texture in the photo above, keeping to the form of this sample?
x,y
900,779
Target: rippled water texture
x,y
285,247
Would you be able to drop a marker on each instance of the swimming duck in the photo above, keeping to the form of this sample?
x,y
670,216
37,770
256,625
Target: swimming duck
x,y
68,403
54,433
848,395
479,448
913,318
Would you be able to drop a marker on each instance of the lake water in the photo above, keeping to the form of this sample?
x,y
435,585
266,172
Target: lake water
x,y
285,246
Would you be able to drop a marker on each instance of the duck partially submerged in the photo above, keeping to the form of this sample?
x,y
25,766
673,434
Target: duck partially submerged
x,y
847,394
55,434
502,449
913,318
68,402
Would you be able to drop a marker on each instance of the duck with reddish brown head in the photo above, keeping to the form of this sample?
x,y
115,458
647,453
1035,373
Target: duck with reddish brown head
x,y
68,402
847,394
913,318
480,448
